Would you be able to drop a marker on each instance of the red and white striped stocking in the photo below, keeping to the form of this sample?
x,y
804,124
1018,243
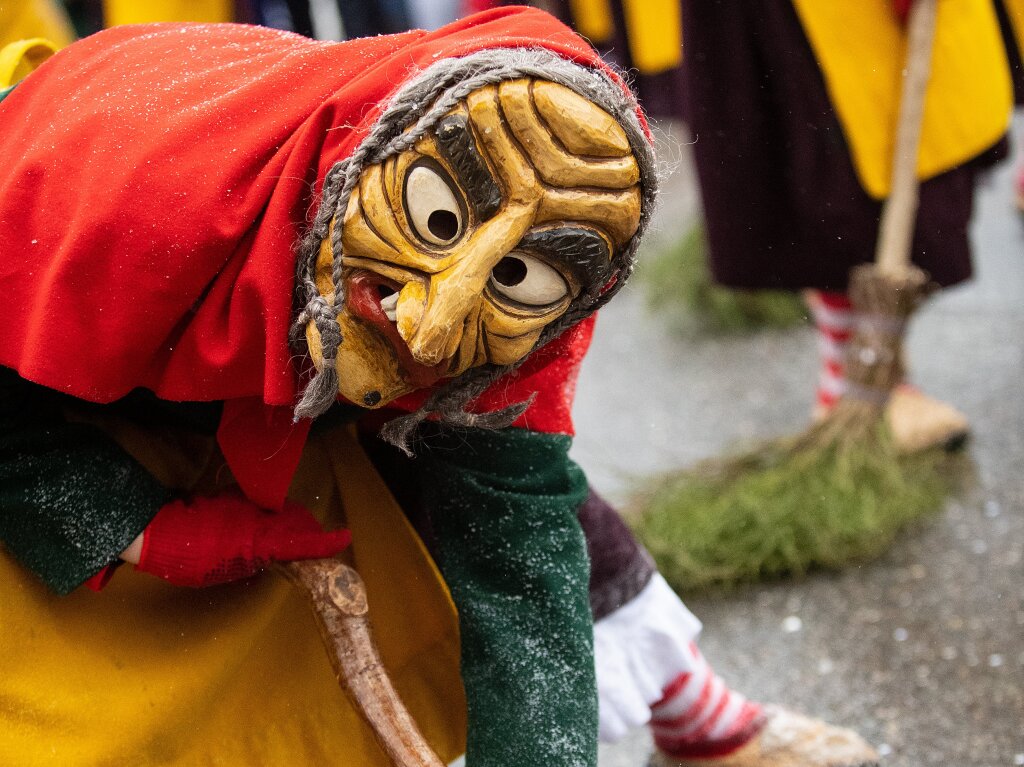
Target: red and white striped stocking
x,y
700,717
833,316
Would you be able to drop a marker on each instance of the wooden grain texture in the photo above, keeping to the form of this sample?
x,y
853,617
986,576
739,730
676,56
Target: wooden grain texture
x,y
896,229
338,598
580,125
554,164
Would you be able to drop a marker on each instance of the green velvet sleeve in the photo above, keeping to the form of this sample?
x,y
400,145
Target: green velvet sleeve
x,y
503,508
70,498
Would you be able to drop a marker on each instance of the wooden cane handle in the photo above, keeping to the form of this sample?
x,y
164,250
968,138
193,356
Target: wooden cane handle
x,y
896,230
338,598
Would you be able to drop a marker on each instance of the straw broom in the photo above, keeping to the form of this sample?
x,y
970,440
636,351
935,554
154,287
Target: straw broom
x,y
885,293
839,492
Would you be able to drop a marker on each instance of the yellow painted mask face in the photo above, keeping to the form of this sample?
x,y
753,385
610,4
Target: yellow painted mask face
x,y
460,251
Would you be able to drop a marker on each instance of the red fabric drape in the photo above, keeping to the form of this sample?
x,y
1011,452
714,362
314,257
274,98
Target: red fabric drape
x,y
156,179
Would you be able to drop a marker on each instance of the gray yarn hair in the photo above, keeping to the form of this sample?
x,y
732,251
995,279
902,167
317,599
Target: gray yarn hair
x,y
413,112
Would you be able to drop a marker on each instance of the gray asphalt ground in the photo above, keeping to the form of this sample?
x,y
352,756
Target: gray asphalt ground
x,y
922,650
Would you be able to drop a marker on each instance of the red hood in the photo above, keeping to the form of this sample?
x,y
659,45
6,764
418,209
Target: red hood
x,y
157,180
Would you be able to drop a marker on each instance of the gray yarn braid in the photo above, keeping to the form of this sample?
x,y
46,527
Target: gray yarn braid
x,y
413,112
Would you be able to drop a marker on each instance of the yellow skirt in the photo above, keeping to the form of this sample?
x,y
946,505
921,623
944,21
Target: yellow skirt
x,y
861,50
144,673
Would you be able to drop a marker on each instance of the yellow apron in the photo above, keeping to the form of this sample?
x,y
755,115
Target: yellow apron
x,y
861,50
145,674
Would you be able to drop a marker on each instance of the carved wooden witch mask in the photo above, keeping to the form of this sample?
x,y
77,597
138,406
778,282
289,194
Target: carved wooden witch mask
x,y
459,251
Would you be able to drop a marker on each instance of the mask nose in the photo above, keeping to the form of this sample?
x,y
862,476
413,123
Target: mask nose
x,y
435,322
438,317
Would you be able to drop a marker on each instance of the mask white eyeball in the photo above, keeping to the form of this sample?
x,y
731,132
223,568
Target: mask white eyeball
x,y
527,280
433,208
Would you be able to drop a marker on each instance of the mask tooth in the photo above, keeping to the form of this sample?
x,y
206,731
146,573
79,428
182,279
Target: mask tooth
x,y
390,306
411,302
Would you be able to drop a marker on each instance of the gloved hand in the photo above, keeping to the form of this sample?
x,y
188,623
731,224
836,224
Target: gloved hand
x,y
224,538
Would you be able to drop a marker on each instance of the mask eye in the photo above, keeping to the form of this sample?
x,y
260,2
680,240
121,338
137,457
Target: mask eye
x,y
527,280
434,211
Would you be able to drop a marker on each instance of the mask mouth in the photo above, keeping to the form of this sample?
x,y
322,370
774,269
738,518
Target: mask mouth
x,y
373,299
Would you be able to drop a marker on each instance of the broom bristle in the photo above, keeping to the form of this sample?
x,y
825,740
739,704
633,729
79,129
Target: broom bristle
x,y
779,511
835,494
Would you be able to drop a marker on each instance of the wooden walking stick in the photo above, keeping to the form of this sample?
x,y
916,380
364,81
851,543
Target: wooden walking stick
x,y
338,598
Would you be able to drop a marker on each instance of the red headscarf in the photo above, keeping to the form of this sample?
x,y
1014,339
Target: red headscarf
x,y
156,181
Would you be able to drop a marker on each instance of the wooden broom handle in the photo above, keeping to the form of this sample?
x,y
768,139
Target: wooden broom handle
x,y
338,598
899,214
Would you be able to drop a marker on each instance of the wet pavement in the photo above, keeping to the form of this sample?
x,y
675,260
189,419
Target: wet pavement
x,y
922,650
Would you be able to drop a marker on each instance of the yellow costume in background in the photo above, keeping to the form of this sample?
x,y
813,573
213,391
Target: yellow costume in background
x,y
117,12
861,48
1015,10
25,19
653,29
19,58
30,32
